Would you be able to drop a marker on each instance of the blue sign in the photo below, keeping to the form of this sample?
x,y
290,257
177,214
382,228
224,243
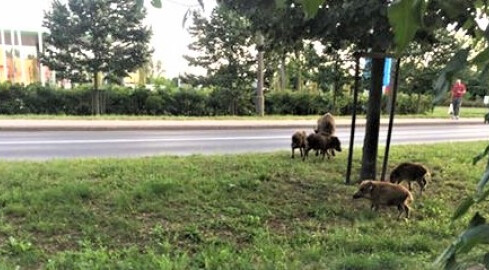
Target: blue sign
x,y
387,72
367,70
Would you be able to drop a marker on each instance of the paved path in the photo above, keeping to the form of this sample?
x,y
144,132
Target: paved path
x,y
35,145
58,125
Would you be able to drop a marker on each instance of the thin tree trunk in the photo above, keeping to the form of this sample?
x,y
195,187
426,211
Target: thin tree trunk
x,y
96,94
260,99
336,82
371,141
298,86
283,83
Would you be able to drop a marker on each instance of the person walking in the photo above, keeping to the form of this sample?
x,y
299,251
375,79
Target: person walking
x,y
458,91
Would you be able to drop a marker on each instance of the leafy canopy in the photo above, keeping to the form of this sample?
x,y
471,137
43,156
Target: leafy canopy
x,y
88,37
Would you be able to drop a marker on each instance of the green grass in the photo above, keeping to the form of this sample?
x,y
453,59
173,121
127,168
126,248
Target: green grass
x,y
439,112
465,112
256,211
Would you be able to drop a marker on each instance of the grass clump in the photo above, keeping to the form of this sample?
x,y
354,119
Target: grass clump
x,y
256,211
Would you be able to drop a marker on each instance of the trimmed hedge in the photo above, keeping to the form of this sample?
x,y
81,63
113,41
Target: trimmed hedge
x,y
37,99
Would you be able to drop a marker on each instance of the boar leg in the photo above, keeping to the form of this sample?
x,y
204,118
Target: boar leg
x,y
293,150
306,153
403,208
422,184
323,152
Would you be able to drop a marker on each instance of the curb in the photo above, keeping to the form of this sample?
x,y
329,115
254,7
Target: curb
x,y
212,126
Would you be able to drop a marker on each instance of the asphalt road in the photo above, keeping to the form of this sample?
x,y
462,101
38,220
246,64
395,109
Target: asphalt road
x,y
74,144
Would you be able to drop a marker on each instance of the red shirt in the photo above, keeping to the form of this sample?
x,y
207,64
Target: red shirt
x,y
458,90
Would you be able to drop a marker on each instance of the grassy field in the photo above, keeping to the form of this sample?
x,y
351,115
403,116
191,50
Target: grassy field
x,y
438,112
256,211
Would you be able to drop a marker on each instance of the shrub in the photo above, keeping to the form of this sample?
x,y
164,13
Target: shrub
x,y
171,100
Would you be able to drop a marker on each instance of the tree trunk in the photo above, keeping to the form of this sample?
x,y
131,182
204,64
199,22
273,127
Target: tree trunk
x,y
283,83
96,95
298,86
336,82
371,141
260,99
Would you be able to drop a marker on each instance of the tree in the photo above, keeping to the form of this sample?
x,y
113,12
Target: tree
x,y
90,37
222,47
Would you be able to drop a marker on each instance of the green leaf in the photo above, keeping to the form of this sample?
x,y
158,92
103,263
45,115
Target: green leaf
x,y
458,61
486,260
406,17
480,197
480,156
472,237
484,74
453,9
311,7
441,86
464,243
280,4
463,208
483,182
477,220
456,64
156,3
482,57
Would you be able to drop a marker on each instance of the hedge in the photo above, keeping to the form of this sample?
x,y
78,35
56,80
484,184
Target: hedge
x,y
37,99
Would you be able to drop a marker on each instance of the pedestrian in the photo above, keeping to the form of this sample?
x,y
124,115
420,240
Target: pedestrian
x,y
458,91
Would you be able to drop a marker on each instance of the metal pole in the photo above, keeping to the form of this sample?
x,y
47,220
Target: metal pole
x,y
354,117
391,120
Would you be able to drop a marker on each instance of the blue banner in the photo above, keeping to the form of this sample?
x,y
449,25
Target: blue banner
x,y
387,72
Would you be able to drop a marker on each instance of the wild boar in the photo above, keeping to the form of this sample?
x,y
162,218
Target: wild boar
x,y
299,140
411,172
322,143
385,194
326,124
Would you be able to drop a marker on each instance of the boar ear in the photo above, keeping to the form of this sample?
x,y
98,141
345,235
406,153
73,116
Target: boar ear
x,y
370,186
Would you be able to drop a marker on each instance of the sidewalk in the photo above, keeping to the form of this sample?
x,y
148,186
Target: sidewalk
x,y
101,125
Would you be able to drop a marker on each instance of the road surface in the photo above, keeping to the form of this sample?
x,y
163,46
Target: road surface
x,y
74,144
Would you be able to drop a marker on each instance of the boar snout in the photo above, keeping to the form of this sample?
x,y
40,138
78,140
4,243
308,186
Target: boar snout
x,y
357,195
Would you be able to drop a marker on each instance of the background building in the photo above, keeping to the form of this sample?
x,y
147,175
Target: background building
x,y
19,57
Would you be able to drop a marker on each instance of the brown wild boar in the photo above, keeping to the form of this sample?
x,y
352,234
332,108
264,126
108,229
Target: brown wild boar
x,y
322,143
299,140
326,124
411,172
385,194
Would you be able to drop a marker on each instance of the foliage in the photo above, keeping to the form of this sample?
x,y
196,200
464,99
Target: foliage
x,y
222,46
253,211
88,37
167,99
477,232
